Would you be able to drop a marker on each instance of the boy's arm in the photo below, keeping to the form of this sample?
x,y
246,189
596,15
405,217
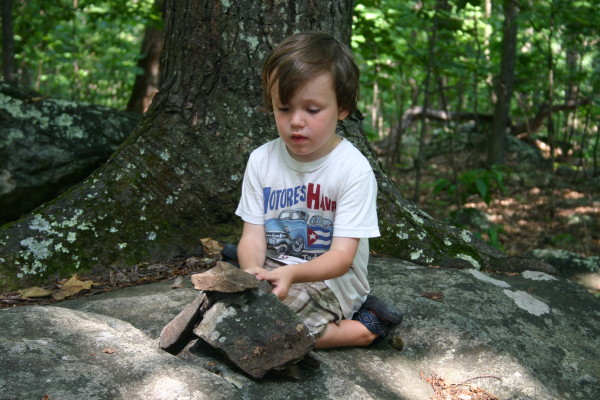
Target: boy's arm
x,y
252,248
333,263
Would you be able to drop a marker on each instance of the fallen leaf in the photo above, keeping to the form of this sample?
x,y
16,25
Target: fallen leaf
x,y
108,350
437,296
211,247
72,287
34,292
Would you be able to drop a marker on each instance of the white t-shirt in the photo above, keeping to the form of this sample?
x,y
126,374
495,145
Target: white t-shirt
x,y
304,204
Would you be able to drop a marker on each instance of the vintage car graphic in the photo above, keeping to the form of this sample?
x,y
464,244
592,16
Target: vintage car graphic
x,y
295,232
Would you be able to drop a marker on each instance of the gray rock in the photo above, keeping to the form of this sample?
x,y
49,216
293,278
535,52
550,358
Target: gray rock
x,y
256,331
224,278
179,331
539,334
68,354
566,262
47,145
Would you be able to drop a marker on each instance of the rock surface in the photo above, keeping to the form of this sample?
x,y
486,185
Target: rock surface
x,y
528,336
224,278
256,331
47,145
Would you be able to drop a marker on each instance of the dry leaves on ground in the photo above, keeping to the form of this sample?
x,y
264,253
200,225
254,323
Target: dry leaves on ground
x,y
457,391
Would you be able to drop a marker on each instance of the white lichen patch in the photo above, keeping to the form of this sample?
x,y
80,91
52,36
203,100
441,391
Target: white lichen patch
x,y
402,235
470,259
169,200
71,237
415,255
466,236
84,226
486,278
38,249
537,276
152,236
113,229
122,245
416,218
64,120
165,155
39,224
447,242
527,302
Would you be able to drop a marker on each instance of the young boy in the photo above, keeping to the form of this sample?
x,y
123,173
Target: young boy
x,y
308,197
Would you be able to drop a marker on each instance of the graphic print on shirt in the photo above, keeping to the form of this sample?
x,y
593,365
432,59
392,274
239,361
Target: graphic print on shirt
x,y
297,227
297,233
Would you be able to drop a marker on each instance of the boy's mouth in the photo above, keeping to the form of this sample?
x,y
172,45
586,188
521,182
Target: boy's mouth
x,y
296,138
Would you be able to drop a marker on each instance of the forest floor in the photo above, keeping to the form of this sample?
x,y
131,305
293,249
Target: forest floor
x,y
533,212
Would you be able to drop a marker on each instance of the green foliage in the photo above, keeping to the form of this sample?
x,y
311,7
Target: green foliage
x,y
481,182
88,53
392,40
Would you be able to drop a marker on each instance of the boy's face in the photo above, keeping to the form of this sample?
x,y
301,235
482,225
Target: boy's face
x,y
307,124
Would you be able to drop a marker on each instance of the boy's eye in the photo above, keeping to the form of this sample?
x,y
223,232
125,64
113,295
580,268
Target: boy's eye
x,y
313,110
283,109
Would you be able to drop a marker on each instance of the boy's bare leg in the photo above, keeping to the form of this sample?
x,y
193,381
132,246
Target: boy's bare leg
x,y
348,333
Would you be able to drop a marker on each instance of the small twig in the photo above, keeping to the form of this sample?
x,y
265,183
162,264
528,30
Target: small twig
x,y
482,376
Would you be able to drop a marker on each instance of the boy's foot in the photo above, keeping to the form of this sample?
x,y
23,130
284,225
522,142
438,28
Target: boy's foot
x,y
378,317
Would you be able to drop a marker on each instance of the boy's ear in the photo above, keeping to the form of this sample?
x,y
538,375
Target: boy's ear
x,y
343,113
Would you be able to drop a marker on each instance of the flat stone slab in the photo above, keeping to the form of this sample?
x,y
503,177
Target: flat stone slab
x,y
179,331
224,278
256,332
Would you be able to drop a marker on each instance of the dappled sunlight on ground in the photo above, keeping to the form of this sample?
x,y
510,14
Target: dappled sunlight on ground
x,y
525,218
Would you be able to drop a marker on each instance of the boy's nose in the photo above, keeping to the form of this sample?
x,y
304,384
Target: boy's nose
x,y
297,119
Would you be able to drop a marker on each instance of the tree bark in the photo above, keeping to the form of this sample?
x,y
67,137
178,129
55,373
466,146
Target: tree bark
x,y
504,86
146,84
8,48
177,177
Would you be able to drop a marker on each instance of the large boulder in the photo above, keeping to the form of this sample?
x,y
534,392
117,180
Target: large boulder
x,y
47,145
526,336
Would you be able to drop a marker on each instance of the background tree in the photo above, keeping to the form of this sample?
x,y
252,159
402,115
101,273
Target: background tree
x,y
8,50
146,81
504,86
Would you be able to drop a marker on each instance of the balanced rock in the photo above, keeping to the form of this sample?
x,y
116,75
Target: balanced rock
x,y
255,331
179,331
224,278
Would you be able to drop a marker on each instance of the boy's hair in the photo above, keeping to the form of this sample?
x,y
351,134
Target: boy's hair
x,y
302,57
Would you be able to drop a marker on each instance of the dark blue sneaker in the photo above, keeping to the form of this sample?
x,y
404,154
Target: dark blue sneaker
x,y
378,317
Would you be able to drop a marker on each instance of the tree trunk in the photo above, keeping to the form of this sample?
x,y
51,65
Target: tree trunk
x,y
146,83
8,48
177,178
504,86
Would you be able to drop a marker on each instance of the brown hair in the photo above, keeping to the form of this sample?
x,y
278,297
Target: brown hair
x,y
302,57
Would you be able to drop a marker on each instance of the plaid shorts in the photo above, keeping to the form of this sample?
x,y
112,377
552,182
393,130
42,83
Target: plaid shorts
x,y
314,303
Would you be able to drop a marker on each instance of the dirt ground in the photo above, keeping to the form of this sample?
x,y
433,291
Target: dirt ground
x,y
535,211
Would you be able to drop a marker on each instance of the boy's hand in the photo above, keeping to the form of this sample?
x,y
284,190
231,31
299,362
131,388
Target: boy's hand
x,y
281,279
